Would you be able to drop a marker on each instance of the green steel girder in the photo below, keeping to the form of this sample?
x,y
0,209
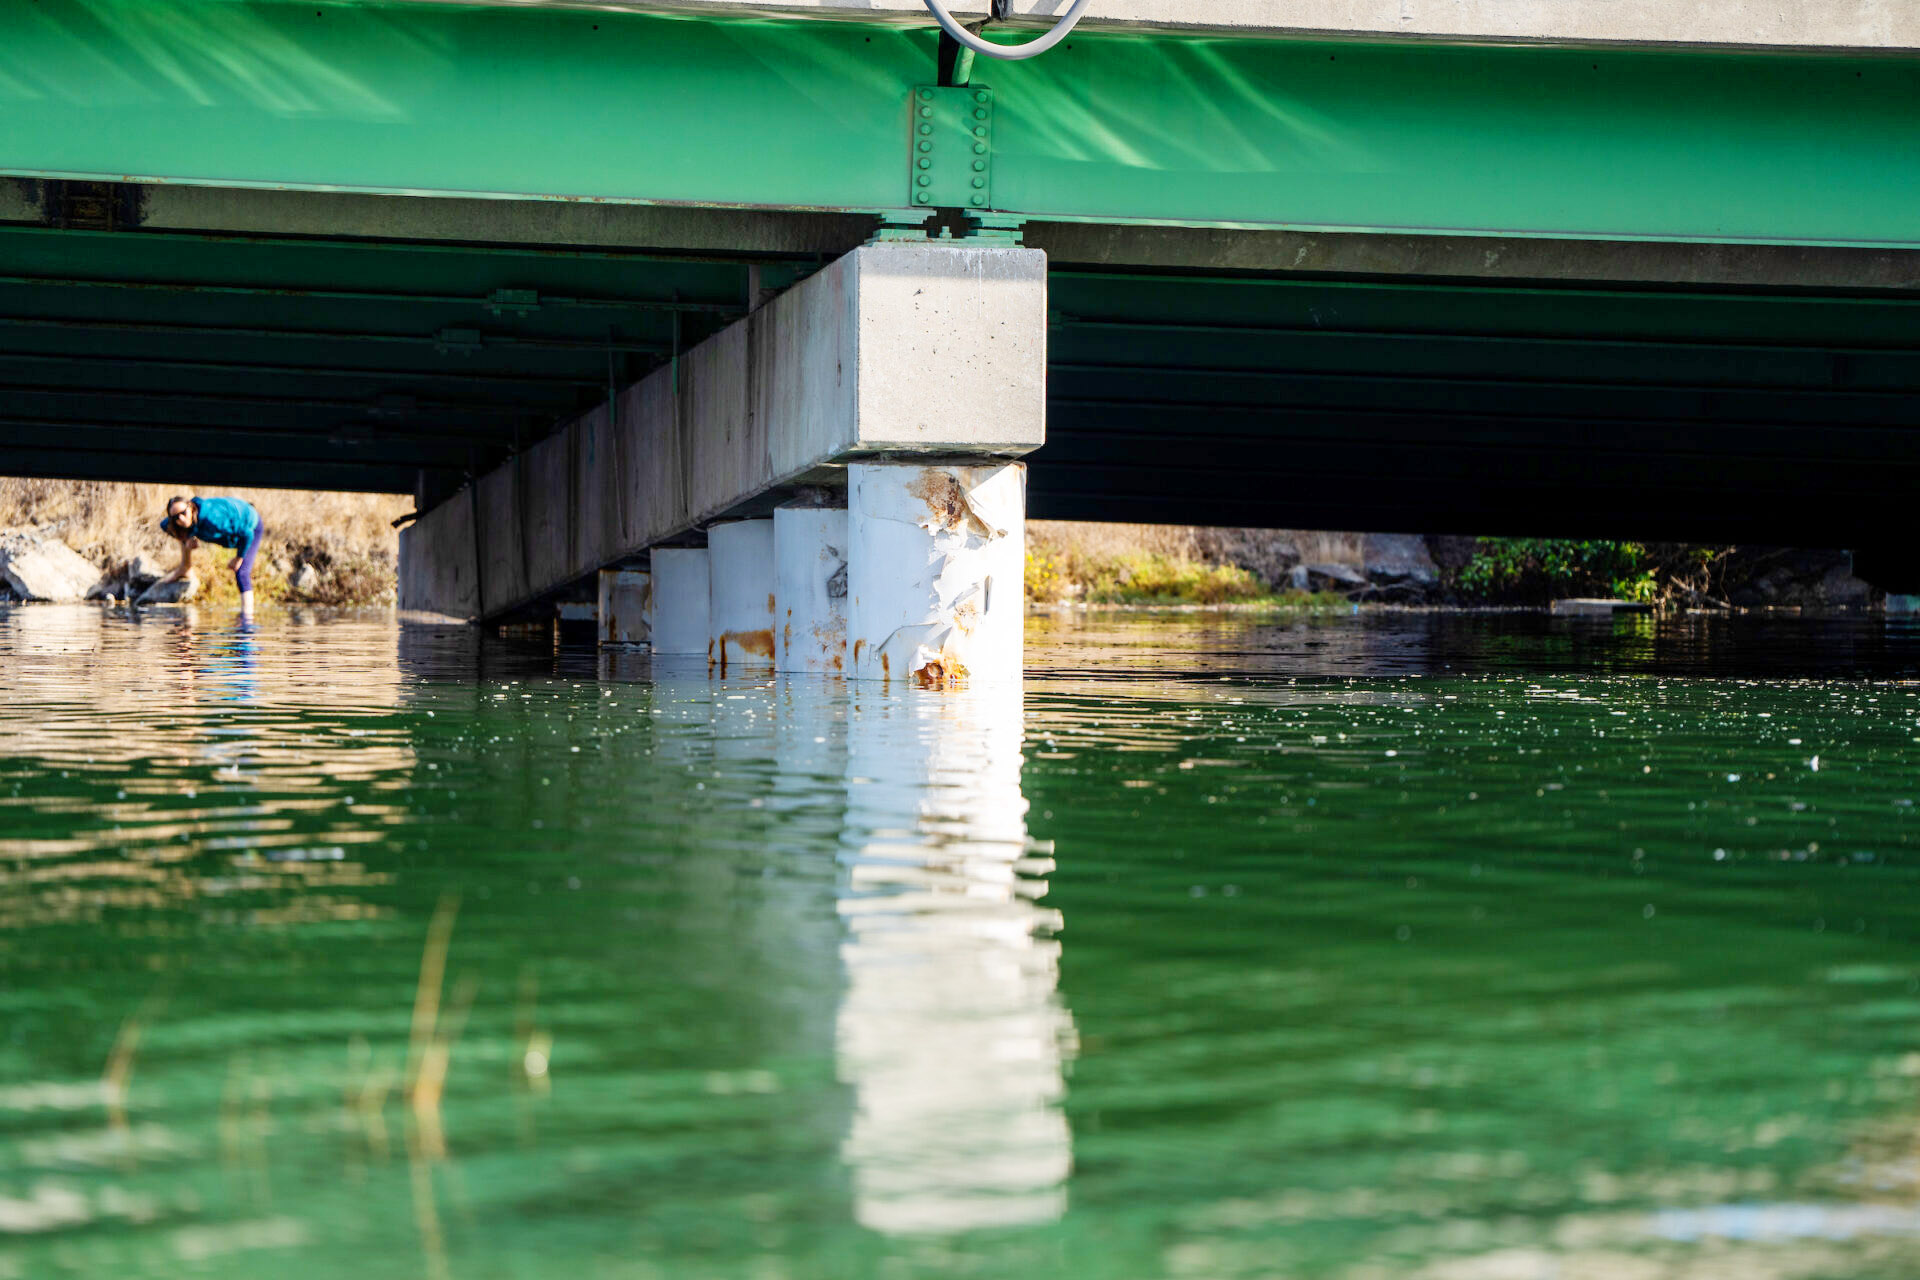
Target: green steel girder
x,y
98,368
262,446
460,340
501,302
1171,390
158,461
1142,127
393,414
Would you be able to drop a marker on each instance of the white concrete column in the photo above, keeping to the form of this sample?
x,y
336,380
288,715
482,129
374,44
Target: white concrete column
x,y
936,571
625,597
740,560
810,588
677,621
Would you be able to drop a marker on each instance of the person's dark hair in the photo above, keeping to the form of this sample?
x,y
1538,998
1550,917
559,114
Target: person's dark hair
x,y
173,529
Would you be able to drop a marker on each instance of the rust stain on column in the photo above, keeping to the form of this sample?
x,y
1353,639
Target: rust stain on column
x,y
941,672
758,643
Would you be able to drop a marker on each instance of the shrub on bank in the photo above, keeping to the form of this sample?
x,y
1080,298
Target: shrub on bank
x,y
1536,570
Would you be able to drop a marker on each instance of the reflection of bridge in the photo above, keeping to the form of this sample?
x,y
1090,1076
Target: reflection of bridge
x,y
1568,284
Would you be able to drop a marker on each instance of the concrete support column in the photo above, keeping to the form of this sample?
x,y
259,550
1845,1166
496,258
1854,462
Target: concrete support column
x,y
626,595
678,619
936,571
810,588
740,562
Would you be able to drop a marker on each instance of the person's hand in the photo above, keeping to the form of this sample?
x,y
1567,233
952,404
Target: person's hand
x,y
234,563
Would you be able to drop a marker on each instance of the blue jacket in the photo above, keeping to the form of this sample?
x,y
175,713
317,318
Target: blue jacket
x,y
225,522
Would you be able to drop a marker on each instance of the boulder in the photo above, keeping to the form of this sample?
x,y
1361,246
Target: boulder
x,y
147,569
143,572
1400,557
1326,577
35,567
170,593
1799,579
306,580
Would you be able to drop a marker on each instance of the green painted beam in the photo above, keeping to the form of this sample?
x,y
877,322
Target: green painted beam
x,y
140,370
119,462
1155,127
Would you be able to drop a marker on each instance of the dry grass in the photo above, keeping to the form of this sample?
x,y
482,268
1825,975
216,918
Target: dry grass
x,y
349,537
1268,552
1172,564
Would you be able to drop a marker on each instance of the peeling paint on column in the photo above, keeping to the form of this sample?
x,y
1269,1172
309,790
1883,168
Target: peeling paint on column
x,y
935,566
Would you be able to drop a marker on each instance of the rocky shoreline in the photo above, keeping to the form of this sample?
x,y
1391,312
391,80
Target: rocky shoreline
x,y
1121,565
37,566
1260,568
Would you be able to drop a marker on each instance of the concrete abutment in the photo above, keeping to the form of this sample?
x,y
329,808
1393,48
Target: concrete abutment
x,y
909,376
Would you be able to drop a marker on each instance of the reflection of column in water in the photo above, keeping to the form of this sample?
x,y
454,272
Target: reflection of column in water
x,y
951,1031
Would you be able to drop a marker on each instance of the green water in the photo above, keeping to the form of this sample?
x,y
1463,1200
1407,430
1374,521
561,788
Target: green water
x,y
1378,947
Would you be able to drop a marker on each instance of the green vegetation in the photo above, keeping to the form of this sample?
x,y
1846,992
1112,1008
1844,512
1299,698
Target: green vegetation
x,y
1534,570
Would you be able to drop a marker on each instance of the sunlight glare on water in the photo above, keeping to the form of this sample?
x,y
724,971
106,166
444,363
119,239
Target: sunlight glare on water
x,y
1374,947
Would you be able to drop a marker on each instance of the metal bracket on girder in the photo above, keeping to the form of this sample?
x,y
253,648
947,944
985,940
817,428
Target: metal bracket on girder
x,y
520,302
993,228
950,148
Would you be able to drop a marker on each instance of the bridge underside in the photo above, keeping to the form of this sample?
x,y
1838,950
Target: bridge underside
x,y
1775,410
1292,283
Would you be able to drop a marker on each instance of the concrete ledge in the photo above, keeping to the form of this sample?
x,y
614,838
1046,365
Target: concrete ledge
x,y
1876,26
893,350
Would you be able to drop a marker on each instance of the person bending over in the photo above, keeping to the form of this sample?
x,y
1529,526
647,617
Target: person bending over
x,y
225,522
